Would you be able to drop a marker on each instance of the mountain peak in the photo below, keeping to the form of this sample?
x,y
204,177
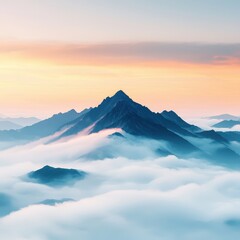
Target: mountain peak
x,y
72,111
121,94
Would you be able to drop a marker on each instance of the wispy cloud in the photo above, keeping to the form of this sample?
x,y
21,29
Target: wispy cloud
x,y
122,53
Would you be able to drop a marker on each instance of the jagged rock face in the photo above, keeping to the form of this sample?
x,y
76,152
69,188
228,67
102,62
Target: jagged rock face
x,y
120,111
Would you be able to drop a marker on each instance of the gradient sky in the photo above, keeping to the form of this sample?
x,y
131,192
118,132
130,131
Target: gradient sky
x,y
167,54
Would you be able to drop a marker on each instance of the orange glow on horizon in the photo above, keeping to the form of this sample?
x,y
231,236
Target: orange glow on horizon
x,y
38,84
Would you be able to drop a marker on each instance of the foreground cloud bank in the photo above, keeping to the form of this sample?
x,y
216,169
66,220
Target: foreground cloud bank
x,y
122,197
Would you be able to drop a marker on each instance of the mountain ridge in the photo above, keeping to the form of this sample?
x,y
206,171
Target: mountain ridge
x,y
225,117
227,124
120,111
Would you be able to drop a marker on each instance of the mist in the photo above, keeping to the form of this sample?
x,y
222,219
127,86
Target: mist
x,y
131,193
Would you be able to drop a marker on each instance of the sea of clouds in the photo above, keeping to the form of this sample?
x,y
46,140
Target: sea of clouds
x,y
132,195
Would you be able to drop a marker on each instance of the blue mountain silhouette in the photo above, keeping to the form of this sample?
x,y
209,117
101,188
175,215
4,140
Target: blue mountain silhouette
x,y
41,129
56,176
120,111
227,124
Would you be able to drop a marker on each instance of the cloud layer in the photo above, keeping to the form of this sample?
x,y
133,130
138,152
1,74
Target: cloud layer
x,y
123,197
120,53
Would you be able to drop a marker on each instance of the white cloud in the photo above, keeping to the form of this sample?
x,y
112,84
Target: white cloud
x,y
204,123
130,197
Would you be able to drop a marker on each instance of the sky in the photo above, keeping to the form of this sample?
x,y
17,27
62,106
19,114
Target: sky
x,y
57,55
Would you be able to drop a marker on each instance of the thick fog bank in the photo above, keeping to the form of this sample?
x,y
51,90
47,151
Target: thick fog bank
x,y
129,194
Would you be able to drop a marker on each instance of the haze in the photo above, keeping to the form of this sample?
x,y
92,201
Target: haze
x,y
180,55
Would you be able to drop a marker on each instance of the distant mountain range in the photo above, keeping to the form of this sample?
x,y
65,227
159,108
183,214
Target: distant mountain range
x,y
7,123
41,129
120,111
227,121
227,124
225,117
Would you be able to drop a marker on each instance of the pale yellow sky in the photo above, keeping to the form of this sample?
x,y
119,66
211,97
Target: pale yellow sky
x,y
180,55
42,79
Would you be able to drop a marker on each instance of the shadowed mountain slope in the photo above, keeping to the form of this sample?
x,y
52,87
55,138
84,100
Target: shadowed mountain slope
x,y
41,129
97,113
120,111
172,116
213,136
125,116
